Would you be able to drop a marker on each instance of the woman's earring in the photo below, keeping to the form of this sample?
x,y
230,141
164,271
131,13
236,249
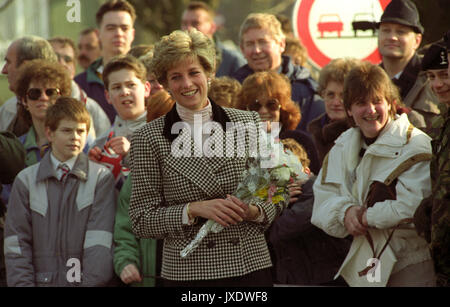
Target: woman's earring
x,y
209,83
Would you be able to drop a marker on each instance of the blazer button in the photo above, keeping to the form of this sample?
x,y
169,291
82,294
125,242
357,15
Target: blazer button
x,y
211,244
234,241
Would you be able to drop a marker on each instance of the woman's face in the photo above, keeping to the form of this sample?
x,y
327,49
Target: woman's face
x,y
187,82
39,98
334,105
268,108
371,115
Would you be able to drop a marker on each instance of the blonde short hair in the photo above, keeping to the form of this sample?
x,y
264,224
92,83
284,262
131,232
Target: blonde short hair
x,y
224,91
264,21
179,46
297,149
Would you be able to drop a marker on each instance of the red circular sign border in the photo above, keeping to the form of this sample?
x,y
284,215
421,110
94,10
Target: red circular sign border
x,y
301,29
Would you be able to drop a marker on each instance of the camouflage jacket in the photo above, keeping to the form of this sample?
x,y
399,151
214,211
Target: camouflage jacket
x,y
432,218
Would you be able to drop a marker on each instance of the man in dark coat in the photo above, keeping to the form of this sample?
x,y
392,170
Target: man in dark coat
x,y
399,36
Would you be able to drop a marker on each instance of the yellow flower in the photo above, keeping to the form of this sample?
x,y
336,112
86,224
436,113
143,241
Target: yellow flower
x,y
276,199
261,193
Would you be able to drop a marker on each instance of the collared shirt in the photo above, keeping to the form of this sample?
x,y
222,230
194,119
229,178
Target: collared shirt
x,y
55,163
397,76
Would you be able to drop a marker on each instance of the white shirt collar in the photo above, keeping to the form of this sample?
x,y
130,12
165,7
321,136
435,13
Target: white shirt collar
x,y
55,162
397,76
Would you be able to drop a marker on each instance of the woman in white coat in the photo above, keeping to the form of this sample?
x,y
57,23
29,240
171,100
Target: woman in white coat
x,y
371,183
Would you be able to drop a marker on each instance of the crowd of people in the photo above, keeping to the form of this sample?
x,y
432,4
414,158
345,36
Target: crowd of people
x,y
112,168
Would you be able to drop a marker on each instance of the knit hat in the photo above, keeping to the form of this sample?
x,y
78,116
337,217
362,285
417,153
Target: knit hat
x,y
435,57
403,12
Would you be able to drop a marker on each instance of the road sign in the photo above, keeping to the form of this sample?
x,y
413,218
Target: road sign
x,y
332,29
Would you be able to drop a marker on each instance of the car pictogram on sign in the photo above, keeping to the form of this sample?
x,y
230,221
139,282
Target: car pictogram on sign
x,y
364,22
330,23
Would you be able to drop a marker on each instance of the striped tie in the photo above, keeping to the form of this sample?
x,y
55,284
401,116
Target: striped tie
x,y
65,170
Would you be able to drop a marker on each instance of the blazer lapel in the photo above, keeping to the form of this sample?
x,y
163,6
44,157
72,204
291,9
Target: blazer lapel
x,y
201,170
189,163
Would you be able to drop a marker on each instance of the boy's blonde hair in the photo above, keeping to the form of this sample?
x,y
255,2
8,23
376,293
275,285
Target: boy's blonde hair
x,y
297,150
224,91
67,108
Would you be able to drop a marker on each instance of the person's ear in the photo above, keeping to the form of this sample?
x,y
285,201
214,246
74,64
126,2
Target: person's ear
x,y
418,40
213,28
48,134
108,98
282,44
148,89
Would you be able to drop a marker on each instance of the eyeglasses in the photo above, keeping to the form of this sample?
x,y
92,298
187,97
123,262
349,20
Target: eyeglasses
x,y
35,93
271,105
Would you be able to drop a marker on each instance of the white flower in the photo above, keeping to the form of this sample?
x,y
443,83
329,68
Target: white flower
x,y
281,175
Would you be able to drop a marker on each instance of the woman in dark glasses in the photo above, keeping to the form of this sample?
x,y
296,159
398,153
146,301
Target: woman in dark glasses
x,y
39,84
269,94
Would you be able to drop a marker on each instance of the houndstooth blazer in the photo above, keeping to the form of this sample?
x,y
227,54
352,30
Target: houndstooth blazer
x,y
163,184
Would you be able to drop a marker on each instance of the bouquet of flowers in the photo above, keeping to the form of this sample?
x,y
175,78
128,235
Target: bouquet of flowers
x,y
265,179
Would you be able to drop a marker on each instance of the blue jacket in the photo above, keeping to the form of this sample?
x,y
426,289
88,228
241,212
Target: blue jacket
x,y
303,89
231,60
93,85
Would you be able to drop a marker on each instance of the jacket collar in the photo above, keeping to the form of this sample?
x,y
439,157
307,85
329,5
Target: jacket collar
x,y
394,135
126,128
46,170
296,73
408,76
91,72
172,117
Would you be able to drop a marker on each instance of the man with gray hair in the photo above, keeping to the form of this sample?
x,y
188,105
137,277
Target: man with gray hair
x,y
21,50
262,43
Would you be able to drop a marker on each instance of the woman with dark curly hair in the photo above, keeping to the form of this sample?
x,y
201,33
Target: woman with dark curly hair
x,y
39,83
269,94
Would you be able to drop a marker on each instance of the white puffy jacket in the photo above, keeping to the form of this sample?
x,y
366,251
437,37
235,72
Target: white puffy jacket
x,y
401,151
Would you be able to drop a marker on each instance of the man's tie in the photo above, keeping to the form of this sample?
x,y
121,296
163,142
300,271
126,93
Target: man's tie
x,y
65,170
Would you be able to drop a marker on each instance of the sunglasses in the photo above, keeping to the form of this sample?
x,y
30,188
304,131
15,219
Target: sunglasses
x,y
271,105
35,93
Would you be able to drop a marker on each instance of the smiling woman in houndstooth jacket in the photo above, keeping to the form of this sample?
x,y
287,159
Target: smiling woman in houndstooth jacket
x,y
173,194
